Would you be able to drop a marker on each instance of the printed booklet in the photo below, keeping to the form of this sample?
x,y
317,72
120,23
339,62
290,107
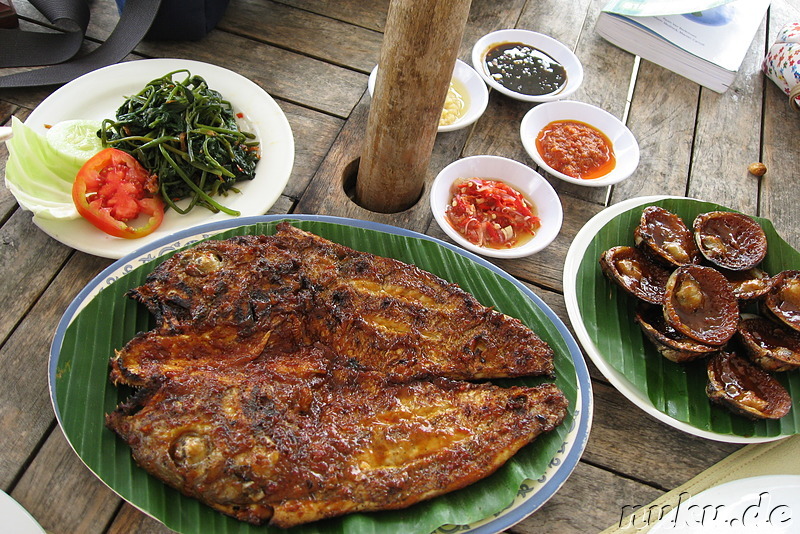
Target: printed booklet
x,y
702,40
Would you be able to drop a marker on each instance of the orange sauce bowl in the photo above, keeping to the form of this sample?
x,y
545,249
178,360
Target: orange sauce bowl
x,y
579,143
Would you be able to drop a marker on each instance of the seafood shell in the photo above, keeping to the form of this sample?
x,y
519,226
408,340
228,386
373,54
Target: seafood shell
x,y
745,388
664,235
730,240
635,273
699,303
769,344
669,342
783,299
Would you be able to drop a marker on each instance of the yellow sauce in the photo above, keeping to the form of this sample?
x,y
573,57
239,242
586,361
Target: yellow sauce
x,y
455,106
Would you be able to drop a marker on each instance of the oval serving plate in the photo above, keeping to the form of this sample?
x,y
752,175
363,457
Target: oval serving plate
x,y
98,94
603,321
81,392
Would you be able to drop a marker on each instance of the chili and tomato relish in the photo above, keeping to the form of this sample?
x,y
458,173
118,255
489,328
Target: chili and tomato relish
x,y
576,149
490,213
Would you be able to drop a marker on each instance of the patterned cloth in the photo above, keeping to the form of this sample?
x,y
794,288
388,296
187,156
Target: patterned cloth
x,y
782,63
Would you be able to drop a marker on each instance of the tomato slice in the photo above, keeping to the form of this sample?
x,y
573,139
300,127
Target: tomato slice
x,y
113,189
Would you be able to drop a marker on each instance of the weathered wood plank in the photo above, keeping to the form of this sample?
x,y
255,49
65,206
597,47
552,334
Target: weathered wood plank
x,y
62,494
779,186
24,399
662,117
728,135
313,133
302,31
589,501
29,259
371,14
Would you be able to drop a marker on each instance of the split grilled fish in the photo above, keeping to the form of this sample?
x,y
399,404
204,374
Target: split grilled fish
x,y
290,379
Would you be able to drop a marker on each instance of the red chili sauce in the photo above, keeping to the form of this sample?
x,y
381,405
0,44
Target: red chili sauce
x,y
490,213
576,149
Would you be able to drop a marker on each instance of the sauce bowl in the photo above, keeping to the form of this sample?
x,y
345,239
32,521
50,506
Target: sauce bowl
x,y
539,41
624,145
476,96
530,183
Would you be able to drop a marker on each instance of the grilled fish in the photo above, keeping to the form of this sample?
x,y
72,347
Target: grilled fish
x,y
382,313
301,437
290,379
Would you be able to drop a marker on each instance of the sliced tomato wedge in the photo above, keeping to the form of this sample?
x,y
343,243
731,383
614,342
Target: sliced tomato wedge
x,y
113,190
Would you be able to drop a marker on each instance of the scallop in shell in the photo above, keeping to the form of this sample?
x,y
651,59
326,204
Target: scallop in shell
x,y
769,344
750,284
635,273
730,240
669,342
699,303
745,388
664,235
783,298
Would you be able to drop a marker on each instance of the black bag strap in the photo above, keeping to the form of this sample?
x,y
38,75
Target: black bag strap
x,y
73,17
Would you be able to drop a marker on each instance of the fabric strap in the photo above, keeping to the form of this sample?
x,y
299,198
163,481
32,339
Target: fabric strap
x,y
73,17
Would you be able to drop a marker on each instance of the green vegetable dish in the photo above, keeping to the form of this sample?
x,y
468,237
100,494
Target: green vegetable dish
x,y
186,134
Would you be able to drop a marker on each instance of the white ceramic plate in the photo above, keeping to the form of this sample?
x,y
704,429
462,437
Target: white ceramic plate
x,y
532,494
476,99
522,178
546,44
15,518
571,266
767,504
626,149
99,94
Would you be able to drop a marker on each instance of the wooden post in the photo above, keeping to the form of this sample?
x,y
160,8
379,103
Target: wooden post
x,y
419,50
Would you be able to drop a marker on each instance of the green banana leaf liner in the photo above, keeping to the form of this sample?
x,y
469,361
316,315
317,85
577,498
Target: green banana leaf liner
x,y
83,394
677,390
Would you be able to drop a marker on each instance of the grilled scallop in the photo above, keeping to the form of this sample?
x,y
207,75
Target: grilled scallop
x,y
730,240
750,284
664,236
769,344
699,303
635,273
669,342
783,299
746,389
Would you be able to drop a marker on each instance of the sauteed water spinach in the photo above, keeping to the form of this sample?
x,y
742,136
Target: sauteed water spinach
x,y
186,134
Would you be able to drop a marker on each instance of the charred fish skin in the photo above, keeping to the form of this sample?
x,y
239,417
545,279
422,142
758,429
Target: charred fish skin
x,y
362,304
290,379
307,437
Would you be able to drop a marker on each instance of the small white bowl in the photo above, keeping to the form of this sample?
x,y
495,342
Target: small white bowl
x,y
546,44
476,97
626,149
522,178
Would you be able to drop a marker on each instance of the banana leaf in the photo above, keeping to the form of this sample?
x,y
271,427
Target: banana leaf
x,y
104,319
677,390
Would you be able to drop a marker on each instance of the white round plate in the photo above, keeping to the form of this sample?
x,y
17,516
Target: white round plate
x,y
100,93
522,178
477,97
638,397
553,48
768,504
626,149
15,518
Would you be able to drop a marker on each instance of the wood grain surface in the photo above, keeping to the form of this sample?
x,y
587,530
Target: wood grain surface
x,y
314,57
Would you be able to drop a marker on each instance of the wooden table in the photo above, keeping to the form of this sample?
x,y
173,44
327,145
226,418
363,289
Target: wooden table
x,y
314,57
